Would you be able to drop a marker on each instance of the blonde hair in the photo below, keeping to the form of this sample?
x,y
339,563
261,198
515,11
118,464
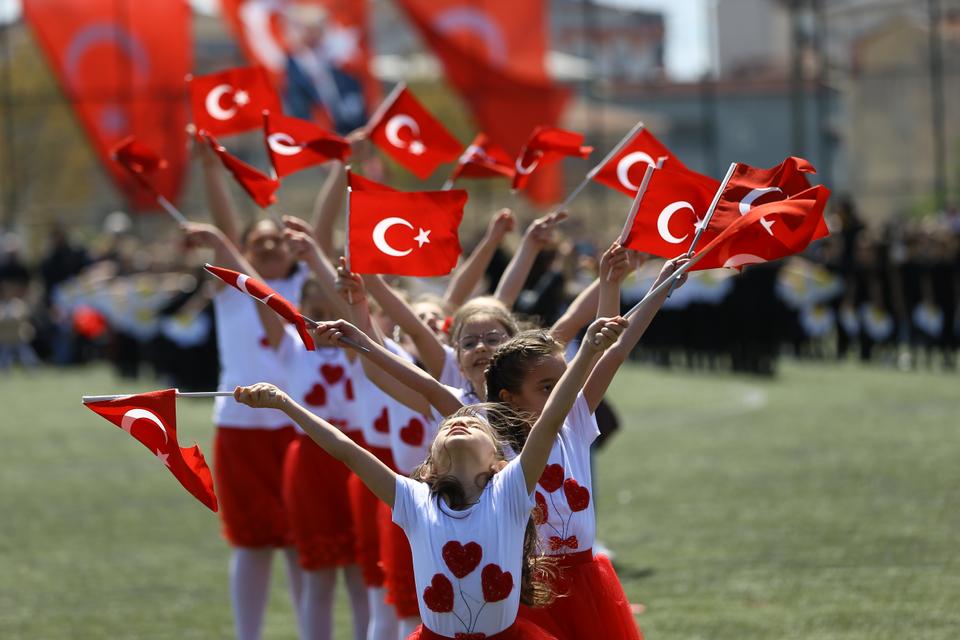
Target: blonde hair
x,y
538,571
483,307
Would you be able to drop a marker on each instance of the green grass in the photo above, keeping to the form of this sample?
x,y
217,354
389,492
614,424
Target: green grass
x,y
822,504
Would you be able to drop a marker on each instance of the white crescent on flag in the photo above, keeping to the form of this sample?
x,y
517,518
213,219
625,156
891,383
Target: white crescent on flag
x,y
212,103
663,221
283,144
380,236
131,416
627,162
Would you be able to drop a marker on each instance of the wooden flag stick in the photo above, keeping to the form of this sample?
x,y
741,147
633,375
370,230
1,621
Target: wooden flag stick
x,y
636,204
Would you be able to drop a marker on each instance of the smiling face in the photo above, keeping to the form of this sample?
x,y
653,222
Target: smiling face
x,y
264,248
476,342
537,384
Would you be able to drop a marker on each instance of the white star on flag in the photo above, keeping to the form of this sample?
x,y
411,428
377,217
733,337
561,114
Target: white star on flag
x,y
699,225
241,98
416,148
423,237
162,457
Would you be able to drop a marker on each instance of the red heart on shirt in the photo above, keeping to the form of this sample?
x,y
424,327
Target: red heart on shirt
x,y
317,396
348,389
577,497
540,512
439,595
382,423
497,584
462,559
264,342
552,477
412,434
331,373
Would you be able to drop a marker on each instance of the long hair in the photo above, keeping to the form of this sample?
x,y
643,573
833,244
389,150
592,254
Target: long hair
x,y
508,368
538,571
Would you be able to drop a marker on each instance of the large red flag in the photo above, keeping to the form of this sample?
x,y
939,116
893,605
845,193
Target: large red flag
x,y
151,418
483,159
408,133
261,187
546,146
671,211
232,101
262,292
749,186
409,234
624,170
357,182
295,144
122,66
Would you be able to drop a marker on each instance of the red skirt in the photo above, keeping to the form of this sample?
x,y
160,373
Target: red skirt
x,y
363,506
248,473
590,602
397,566
318,506
519,630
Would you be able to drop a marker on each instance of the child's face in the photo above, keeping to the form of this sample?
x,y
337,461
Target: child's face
x,y
476,344
267,252
431,314
465,435
537,385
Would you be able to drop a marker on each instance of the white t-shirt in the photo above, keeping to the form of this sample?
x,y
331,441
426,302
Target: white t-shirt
x,y
451,376
245,355
565,488
467,564
377,411
321,381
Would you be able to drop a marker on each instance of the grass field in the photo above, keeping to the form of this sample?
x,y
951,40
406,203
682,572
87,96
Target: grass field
x,y
823,504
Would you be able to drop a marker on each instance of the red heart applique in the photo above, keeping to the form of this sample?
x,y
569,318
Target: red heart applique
x,y
540,512
331,373
558,544
497,584
577,497
412,434
317,397
552,477
264,342
462,559
439,595
348,389
382,423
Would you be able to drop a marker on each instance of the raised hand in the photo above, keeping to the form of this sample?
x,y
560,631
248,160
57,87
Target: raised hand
x,y
671,266
349,284
616,263
541,231
301,244
329,334
603,333
297,224
502,223
262,395
199,234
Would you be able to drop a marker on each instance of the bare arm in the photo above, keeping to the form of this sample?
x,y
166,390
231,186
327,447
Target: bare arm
x,y
538,235
468,274
533,458
305,247
222,207
602,375
329,206
376,475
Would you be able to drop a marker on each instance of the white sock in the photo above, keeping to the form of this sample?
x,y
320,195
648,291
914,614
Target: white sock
x,y
295,581
316,605
383,617
408,626
357,593
249,588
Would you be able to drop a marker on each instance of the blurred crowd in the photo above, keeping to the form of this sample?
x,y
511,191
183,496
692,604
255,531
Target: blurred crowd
x,y
887,294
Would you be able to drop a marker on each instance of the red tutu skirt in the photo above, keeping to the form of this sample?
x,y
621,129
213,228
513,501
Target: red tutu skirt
x,y
519,630
397,566
590,602
363,506
318,506
248,473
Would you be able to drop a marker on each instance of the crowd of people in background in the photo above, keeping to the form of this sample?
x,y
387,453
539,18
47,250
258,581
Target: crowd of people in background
x,y
885,294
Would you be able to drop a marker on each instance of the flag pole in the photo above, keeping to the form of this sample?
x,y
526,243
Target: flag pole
x,y
346,239
172,210
669,282
447,185
590,174
180,394
382,109
636,204
347,341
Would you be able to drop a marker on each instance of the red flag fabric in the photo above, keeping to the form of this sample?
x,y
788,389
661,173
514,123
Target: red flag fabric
x,y
409,134
670,212
547,145
625,169
122,66
483,159
359,183
262,292
295,144
408,234
151,418
261,187
232,101
745,241
139,160
749,186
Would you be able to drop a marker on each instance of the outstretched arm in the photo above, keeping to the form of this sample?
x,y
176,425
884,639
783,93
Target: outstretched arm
x,y
468,274
533,458
222,207
537,236
376,475
329,206
602,375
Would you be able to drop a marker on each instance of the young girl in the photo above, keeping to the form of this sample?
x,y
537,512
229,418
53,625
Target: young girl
x,y
466,514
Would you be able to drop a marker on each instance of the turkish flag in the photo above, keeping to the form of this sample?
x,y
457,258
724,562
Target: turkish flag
x,y
356,182
151,418
121,67
294,144
625,169
405,234
232,101
794,221
139,160
749,186
545,146
409,134
671,210
262,292
261,187
483,159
